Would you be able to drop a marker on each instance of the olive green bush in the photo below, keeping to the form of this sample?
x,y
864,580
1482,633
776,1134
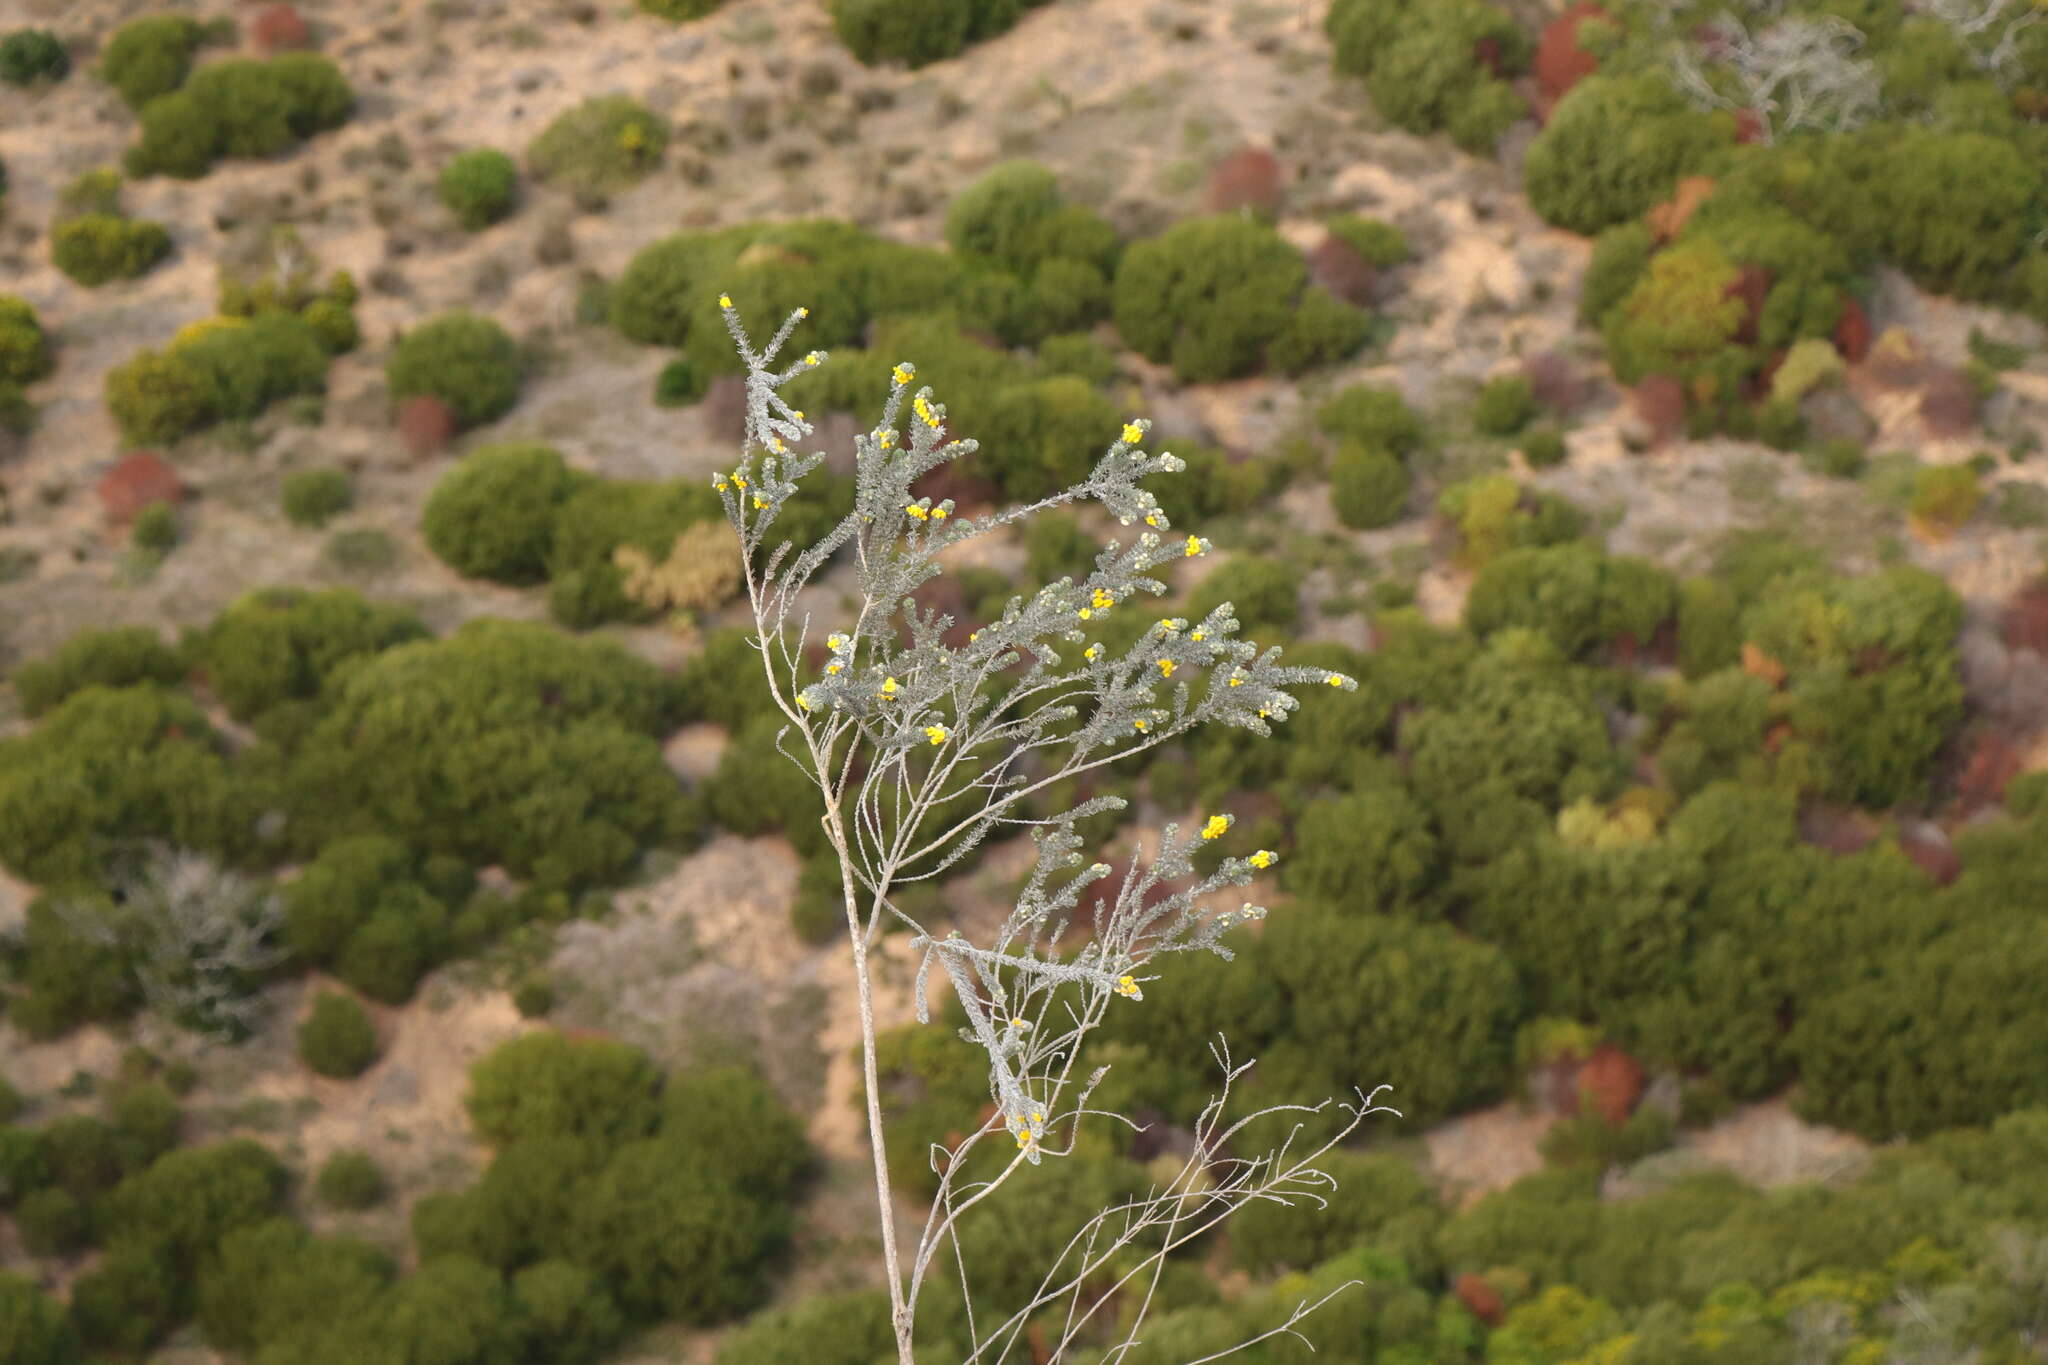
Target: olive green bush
x,y
120,656
920,32
1505,405
1613,147
604,145
1579,597
150,56
1957,209
337,1039
240,109
591,524
270,1278
130,1300
314,497
1370,851
478,186
494,514
1424,72
280,645
225,368
1217,484
549,1085
1492,514
1368,486
24,347
1266,593
1379,1201
1218,297
850,1328
1371,416
98,247
350,1180
34,1328
29,55
465,360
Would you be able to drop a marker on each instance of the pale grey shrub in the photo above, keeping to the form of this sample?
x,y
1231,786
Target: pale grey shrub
x,y
933,734
1799,72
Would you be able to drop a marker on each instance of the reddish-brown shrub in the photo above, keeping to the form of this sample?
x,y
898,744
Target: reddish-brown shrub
x,y
1610,1083
1839,830
1248,178
971,493
425,425
1748,127
136,482
1337,267
1948,403
1560,63
724,409
1750,285
1852,331
1481,1299
1555,382
1659,401
2026,618
280,28
1930,850
1486,52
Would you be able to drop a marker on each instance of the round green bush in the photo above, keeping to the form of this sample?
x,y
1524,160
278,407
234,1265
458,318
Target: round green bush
x,y
24,350
678,385
733,1125
156,528
52,1223
1264,592
334,324
28,55
1614,147
466,361
603,145
240,108
1209,295
570,1315
995,216
147,1123
1373,416
1543,447
1369,487
350,1180
1957,209
150,56
1506,404
493,515
1044,435
1373,850
121,656
233,368
535,998
1426,79
337,1040
314,497
680,10
99,247
34,1328
478,187
549,1085
920,32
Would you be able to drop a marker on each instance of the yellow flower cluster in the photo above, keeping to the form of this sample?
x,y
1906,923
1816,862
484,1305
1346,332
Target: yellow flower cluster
x,y
1194,546
1092,653
1133,433
725,300
889,688
924,412
1216,827
1166,668
900,375
935,733
1265,857
1128,985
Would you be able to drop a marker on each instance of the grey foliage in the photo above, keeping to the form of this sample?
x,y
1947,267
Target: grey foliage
x,y
199,938
940,724
1798,72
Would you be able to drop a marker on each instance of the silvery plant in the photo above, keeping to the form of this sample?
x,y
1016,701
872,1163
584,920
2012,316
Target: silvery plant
x,y
937,724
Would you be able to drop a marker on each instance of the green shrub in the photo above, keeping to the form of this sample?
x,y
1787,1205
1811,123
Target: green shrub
x,y
1373,850
1944,496
146,1121
1577,596
120,656
350,1180
995,216
150,56
230,368
24,349
466,361
1957,209
1613,147
674,1241
605,144
1211,296
1380,1201
279,645
337,1040
535,998
28,55
52,1223
129,1301
1383,245
1426,79
1050,432
1679,317
34,1328
453,1309
1078,354
314,497
1372,416
271,1279
920,32
1506,404
493,515
1265,593
821,1329
99,247
677,386
1493,514
240,108
602,515
1369,486
1543,447
478,187
399,943
732,1125
1621,255
549,1085
569,1314
1838,457
194,1196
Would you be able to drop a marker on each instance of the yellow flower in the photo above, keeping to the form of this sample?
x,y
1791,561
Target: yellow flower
x,y
1216,826
1264,712
1263,858
889,688
760,502
1133,433
797,414
887,437
972,636
723,485
835,642
1142,724
725,300
1151,518
1103,601
775,441
803,701
1020,1023
1196,634
1090,652
1236,681
1166,668
938,514
918,512
740,480
813,358
1128,985
900,375
1084,613
1194,546
935,733
803,313
1334,680
832,667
